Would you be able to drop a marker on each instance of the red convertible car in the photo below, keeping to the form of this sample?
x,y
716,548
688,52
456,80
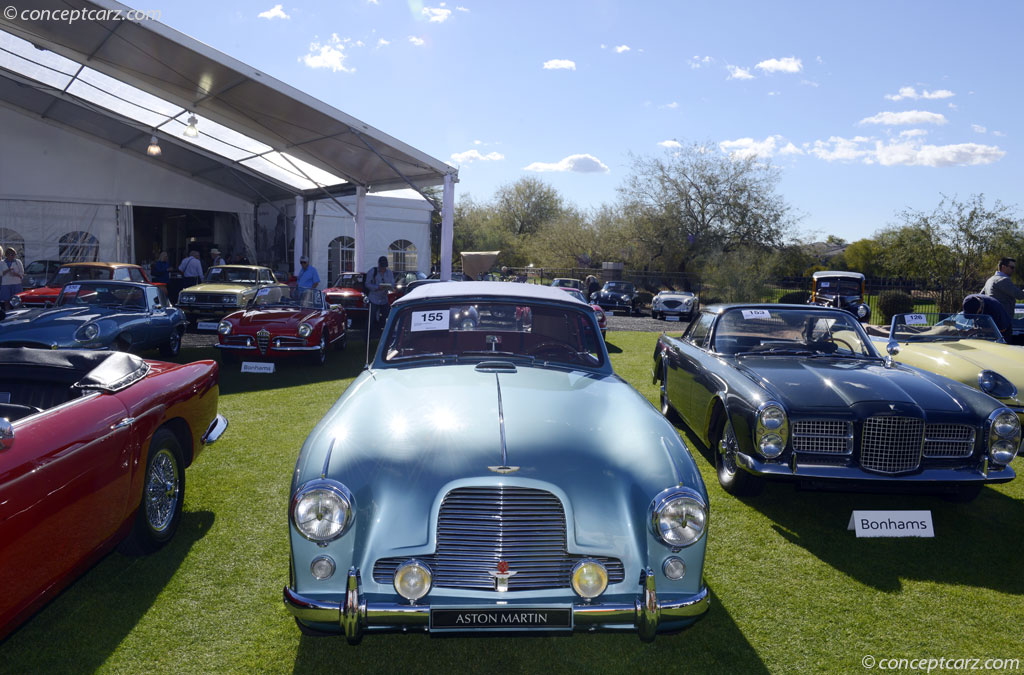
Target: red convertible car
x,y
93,450
83,271
277,324
349,292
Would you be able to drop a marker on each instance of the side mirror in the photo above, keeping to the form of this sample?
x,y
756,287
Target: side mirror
x,y
6,434
893,348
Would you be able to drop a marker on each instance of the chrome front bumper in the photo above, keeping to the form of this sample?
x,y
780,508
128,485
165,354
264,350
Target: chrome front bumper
x,y
982,473
645,614
217,427
271,348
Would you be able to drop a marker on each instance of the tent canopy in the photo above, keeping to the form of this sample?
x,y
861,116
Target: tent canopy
x,y
121,81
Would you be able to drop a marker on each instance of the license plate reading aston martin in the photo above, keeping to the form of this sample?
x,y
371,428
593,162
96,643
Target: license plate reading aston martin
x,y
502,619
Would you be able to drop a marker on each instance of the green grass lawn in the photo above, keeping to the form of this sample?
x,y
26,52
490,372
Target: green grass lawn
x,y
793,590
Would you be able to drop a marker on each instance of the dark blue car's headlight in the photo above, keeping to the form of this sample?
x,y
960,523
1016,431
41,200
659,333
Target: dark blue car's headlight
x,y
87,333
322,510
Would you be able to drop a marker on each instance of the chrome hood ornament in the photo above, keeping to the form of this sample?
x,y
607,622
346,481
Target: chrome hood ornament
x,y
504,468
501,576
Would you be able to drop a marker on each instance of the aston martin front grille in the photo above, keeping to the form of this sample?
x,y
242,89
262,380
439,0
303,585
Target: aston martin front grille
x,y
948,440
479,526
891,444
826,436
263,340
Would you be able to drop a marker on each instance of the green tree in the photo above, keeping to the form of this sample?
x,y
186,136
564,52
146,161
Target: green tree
x,y
864,256
523,207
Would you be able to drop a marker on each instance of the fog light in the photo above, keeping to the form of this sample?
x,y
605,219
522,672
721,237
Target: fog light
x,y
674,568
322,567
412,580
771,445
589,579
1002,452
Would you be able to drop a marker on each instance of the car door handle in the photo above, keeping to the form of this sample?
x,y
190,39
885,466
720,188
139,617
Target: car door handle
x,y
123,423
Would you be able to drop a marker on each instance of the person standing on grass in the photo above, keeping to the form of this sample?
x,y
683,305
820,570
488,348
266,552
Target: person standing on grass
x,y
379,280
1002,288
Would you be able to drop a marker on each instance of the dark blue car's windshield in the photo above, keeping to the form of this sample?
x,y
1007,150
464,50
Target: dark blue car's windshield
x,y
495,330
791,331
102,295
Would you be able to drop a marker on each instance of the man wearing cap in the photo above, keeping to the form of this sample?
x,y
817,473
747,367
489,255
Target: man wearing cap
x,y
218,259
378,280
307,278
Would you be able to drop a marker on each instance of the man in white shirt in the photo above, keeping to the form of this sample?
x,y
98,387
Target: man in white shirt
x,y
12,272
191,269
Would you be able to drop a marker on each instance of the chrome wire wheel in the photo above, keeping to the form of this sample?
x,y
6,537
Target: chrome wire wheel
x,y
731,477
163,490
727,449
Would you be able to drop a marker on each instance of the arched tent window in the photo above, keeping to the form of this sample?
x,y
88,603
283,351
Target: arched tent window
x,y
341,257
9,237
78,247
403,256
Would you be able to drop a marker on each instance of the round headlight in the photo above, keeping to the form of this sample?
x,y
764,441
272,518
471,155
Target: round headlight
x,y
862,311
322,510
305,329
771,445
1002,452
229,299
224,328
87,332
772,417
674,568
1006,424
589,579
679,516
412,580
15,302
187,298
322,567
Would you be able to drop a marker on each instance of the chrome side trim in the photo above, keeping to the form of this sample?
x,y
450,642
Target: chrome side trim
x,y
217,427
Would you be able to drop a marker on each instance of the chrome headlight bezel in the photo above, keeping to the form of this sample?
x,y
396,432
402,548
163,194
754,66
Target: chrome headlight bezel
x,y
87,332
678,496
583,567
994,384
1004,435
305,330
323,487
413,567
186,298
14,302
224,328
771,429
229,299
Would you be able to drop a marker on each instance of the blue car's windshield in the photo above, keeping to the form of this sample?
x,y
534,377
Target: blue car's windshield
x,y
495,330
791,331
99,294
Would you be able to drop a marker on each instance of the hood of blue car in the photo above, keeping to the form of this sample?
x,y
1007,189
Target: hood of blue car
x,y
55,318
824,382
400,438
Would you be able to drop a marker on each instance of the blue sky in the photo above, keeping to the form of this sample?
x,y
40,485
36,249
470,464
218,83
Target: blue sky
x,y
868,108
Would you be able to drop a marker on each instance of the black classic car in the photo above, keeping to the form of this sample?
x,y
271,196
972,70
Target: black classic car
x,y
844,290
799,393
618,296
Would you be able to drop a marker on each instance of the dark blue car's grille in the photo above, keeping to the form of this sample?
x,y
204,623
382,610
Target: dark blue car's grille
x,y
477,527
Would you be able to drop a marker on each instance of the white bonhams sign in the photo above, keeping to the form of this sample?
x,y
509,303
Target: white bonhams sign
x,y
892,524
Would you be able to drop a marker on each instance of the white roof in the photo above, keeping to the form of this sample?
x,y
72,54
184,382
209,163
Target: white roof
x,y
838,273
497,289
258,137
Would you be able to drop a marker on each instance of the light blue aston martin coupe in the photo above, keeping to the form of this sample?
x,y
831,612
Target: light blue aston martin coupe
x,y
520,486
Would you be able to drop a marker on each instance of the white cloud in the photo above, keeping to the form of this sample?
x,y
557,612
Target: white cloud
x,y
275,12
809,83
474,155
773,93
905,117
671,106
911,93
911,133
382,42
573,163
621,48
329,55
745,148
559,64
952,106
790,149
461,8
670,144
437,14
978,128
998,133
786,65
700,61
737,73
907,151
419,42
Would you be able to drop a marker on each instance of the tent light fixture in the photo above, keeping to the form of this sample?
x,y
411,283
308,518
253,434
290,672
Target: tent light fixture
x,y
191,131
154,147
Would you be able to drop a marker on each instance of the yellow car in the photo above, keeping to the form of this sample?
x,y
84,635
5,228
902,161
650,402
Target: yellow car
x,y
225,289
967,348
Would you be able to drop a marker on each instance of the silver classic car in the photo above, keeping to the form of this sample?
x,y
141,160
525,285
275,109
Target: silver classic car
x,y
530,489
